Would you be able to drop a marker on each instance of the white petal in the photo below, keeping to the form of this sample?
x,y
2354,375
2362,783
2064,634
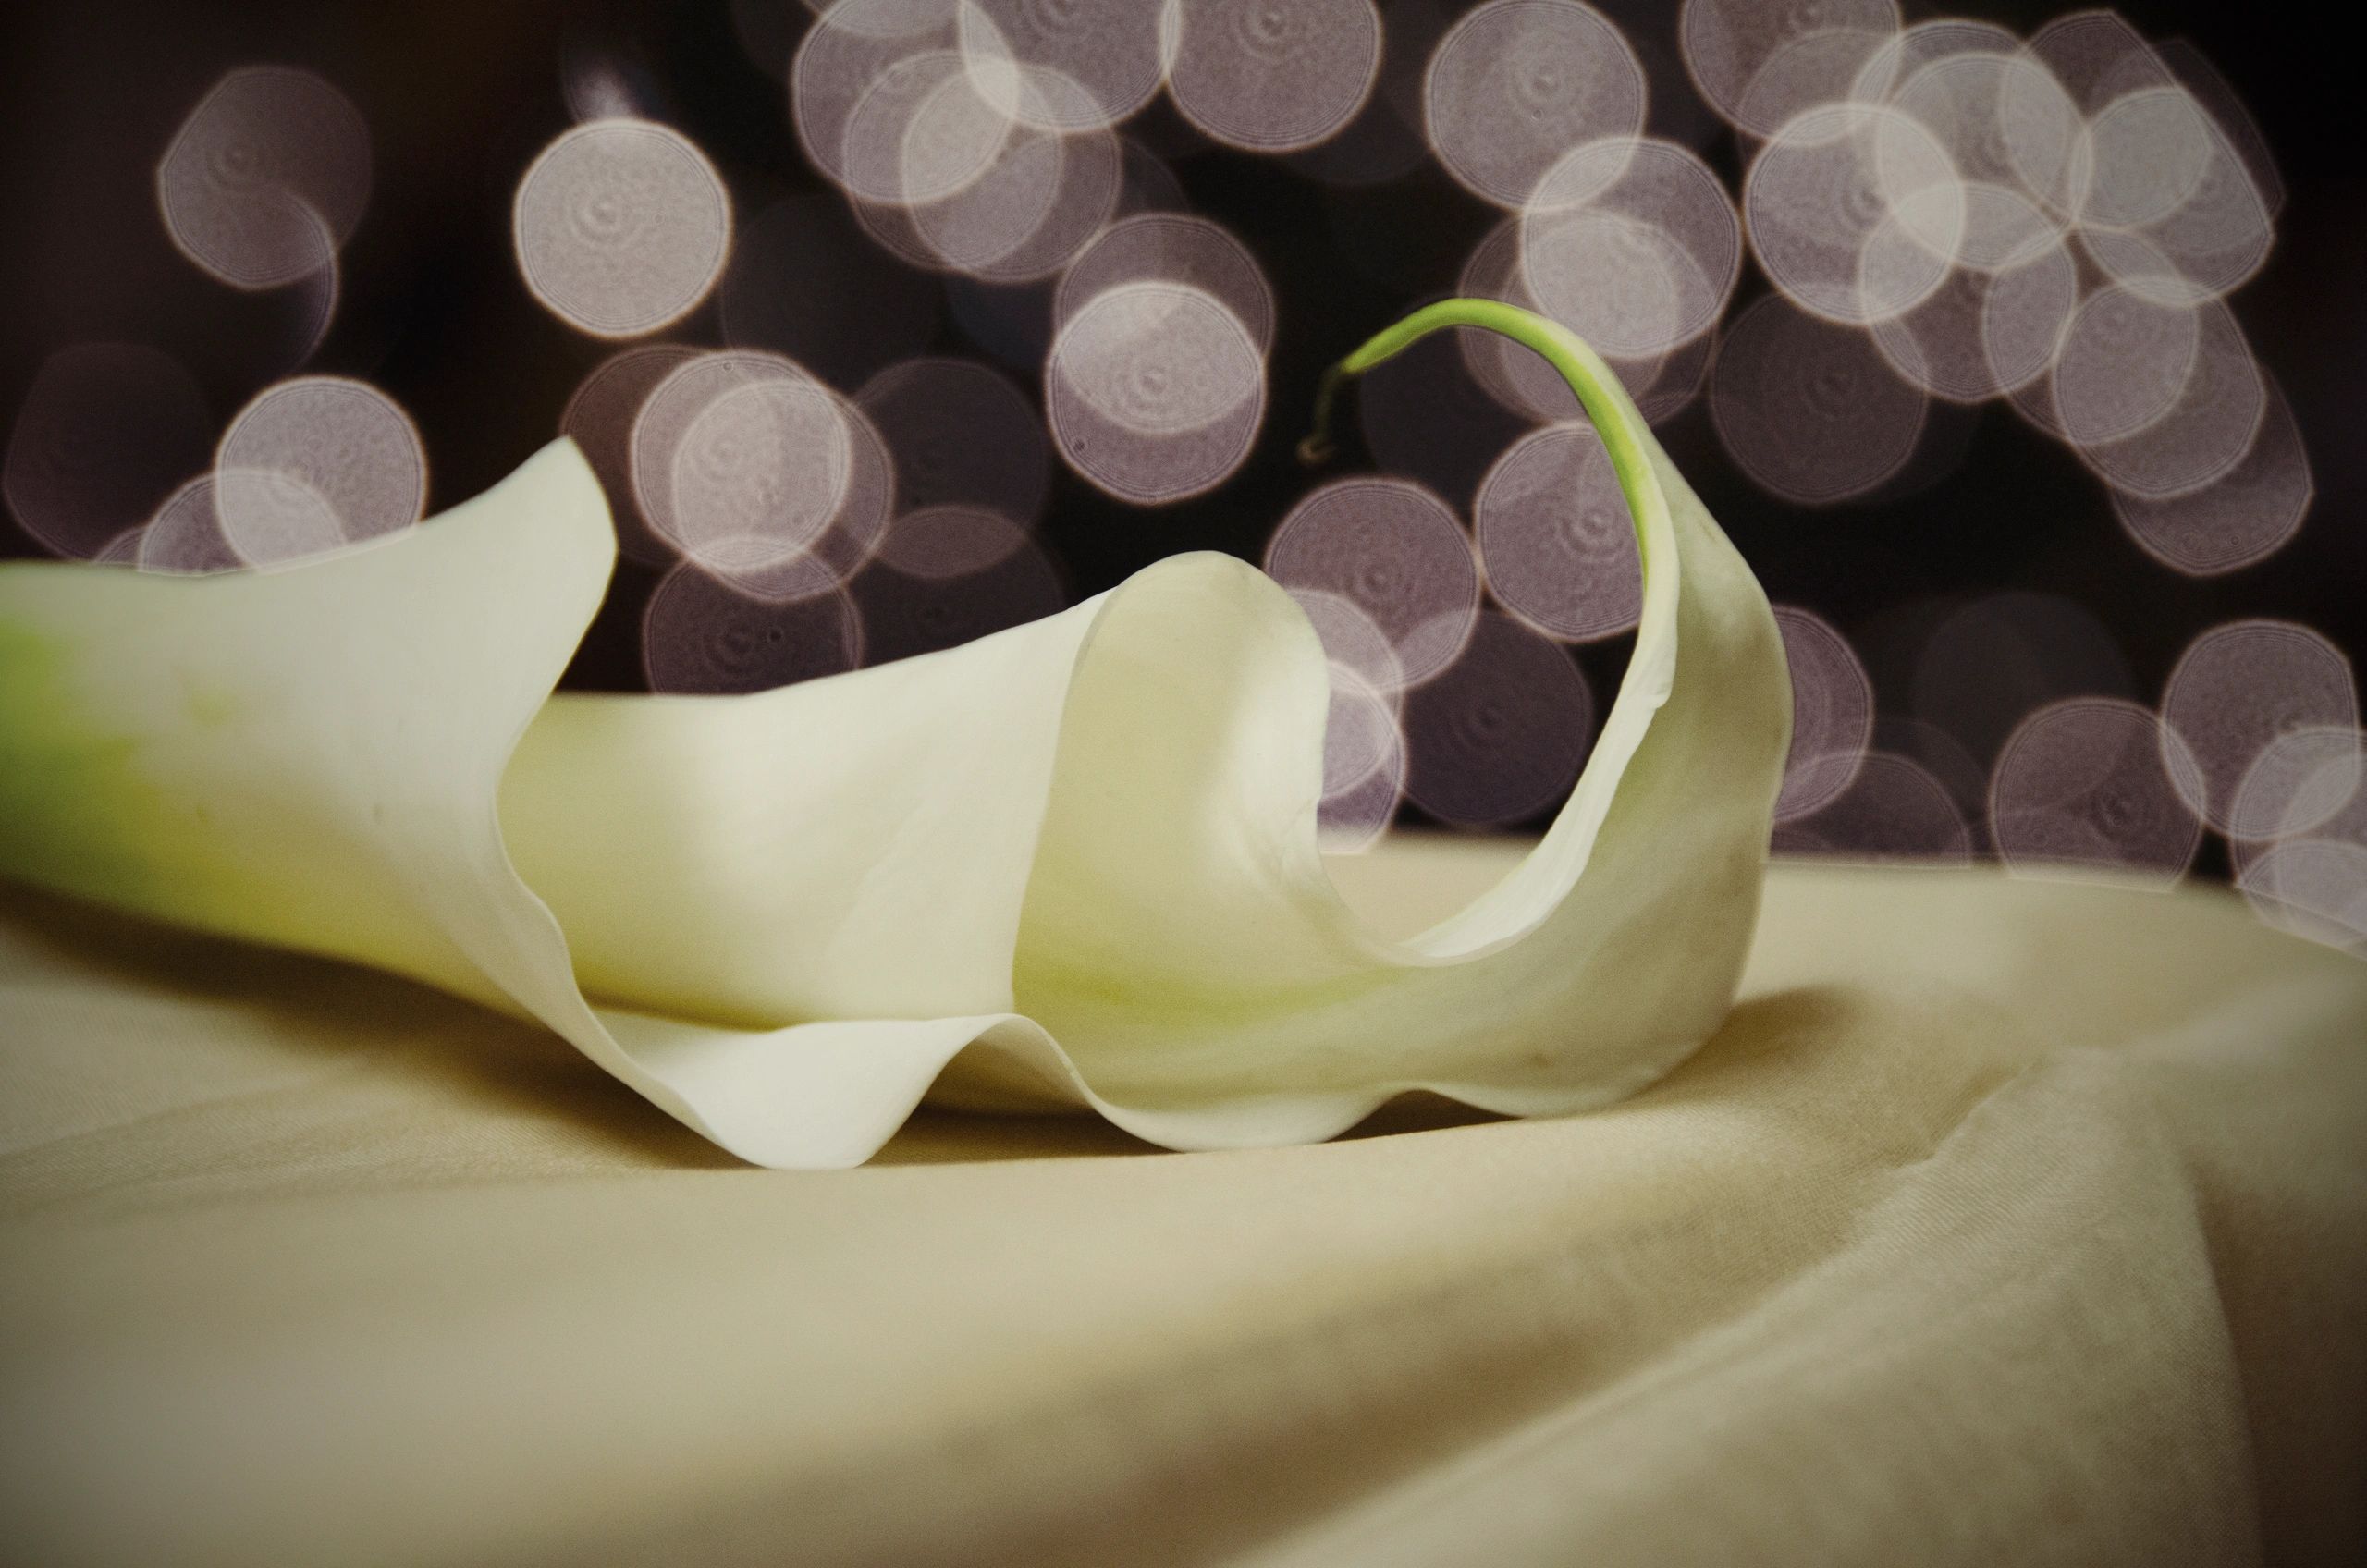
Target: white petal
x,y
1075,862
1183,941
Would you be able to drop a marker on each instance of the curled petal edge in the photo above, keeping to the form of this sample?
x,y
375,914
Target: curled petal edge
x,y
1072,863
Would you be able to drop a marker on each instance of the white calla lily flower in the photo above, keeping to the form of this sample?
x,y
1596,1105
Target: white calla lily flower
x,y
1073,863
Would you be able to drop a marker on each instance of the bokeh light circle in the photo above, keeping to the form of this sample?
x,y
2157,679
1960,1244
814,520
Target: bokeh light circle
x,y
1360,731
1352,639
1523,383
2315,889
1832,713
2210,422
1555,536
268,517
1811,70
947,541
621,227
1271,76
1518,83
1113,49
2025,312
701,635
1396,552
1810,411
1983,333
1500,734
599,418
922,130
1729,43
2237,688
105,433
2008,131
2123,365
847,52
1634,245
2214,224
1854,212
2300,781
761,474
1894,810
1985,664
1039,198
1357,817
185,537
1906,53
1173,248
2151,150
1364,762
342,441
2240,518
1155,391
267,177
2096,781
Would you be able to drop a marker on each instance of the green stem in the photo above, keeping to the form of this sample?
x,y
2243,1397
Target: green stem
x,y
1597,386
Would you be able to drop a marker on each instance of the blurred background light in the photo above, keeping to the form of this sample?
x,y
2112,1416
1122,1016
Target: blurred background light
x,y
701,634
1517,84
1555,538
1155,391
1810,409
186,536
344,444
105,431
1499,734
1395,551
1735,51
1833,714
267,177
2238,688
1893,809
2019,351
2099,783
1269,76
621,227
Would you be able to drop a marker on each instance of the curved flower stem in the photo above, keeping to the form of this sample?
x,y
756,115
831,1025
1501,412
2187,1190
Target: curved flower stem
x,y
1597,386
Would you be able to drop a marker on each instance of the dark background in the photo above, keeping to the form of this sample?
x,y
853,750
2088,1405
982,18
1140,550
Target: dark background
x,y
460,97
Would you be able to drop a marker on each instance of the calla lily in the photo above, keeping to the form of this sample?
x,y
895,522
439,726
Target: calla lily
x,y
1073,863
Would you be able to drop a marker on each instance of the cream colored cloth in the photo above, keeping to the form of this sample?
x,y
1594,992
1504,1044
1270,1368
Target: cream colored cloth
x,y
2005,1222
